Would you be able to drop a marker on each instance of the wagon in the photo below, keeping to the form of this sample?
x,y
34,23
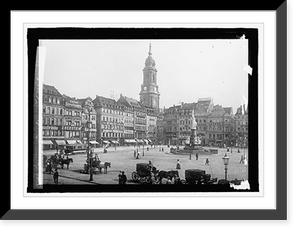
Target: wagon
x,y
142,173
197,176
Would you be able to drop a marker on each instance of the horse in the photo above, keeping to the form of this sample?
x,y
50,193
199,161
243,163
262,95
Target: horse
x,y
104,165
66,161
165,174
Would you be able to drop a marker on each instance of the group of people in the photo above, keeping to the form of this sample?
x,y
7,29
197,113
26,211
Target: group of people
x,y
122,178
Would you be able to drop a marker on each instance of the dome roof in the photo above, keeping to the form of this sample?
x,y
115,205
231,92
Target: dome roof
x,y
149,61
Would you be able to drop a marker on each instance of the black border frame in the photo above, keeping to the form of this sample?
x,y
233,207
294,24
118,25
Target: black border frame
x,y
74,33
280,213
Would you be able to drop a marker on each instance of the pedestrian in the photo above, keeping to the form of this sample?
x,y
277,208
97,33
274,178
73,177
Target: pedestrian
x,y
134,154
242,159
190,156
162,149
178,165
122,178
138,155
55,176
196,156
206,161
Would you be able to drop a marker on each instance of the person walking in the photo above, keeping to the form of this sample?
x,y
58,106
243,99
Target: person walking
x,y
196,156
206,161
178,165
55,176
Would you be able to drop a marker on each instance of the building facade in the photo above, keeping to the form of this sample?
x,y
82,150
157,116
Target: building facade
x,y
128,114
72,127
241,126
149,94
109,120
53,117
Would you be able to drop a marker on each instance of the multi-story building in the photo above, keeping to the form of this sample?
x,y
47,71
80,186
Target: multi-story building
x,y
72,122
128,114
171,125
185,121
220,125
109,121
241,126
151,122
88,122
203,108
139,114
53,114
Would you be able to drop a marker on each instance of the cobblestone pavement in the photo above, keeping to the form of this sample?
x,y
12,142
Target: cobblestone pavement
x,y
122,159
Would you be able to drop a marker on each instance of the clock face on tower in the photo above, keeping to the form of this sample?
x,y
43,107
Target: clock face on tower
x,y
145,88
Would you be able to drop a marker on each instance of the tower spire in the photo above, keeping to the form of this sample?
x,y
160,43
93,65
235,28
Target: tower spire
x,y
150,49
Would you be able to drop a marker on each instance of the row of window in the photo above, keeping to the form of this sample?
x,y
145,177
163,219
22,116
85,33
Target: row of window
x,y
51,99
52,133
52,121
112,135
52,110
111,119
140,121
112,127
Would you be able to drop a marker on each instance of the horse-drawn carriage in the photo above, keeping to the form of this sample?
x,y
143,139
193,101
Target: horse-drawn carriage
x,y
143,173
96,164
55,160
197,176
146,173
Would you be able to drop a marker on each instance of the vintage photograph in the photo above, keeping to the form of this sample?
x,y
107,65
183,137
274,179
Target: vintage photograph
x,y
147,114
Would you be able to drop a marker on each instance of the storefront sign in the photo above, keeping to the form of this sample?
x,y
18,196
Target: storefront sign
x,y
74,105
76,128
50,128
128,131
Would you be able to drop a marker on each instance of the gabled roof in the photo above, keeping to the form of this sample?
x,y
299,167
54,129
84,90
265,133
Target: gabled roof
x,y
228,110
52,89
105,102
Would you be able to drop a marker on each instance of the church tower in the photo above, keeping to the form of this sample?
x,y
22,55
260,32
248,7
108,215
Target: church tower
x,y
149,94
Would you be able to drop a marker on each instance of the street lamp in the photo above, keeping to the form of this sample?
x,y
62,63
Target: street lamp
x,y
226,162
143,144
89,157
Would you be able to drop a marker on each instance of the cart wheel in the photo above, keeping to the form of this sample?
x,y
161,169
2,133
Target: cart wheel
x,y
135,176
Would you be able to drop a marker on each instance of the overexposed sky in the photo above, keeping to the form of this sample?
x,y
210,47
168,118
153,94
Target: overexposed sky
x,y
187,69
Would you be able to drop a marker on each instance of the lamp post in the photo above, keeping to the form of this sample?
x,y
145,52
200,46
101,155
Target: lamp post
x,y
143,144
226,162
89,157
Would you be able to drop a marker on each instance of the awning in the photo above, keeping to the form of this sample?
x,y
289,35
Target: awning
x,y
71,142
149,140
129,141
114,142
47,142
139,140
60,142
106,142
79,142
145,141
93,142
